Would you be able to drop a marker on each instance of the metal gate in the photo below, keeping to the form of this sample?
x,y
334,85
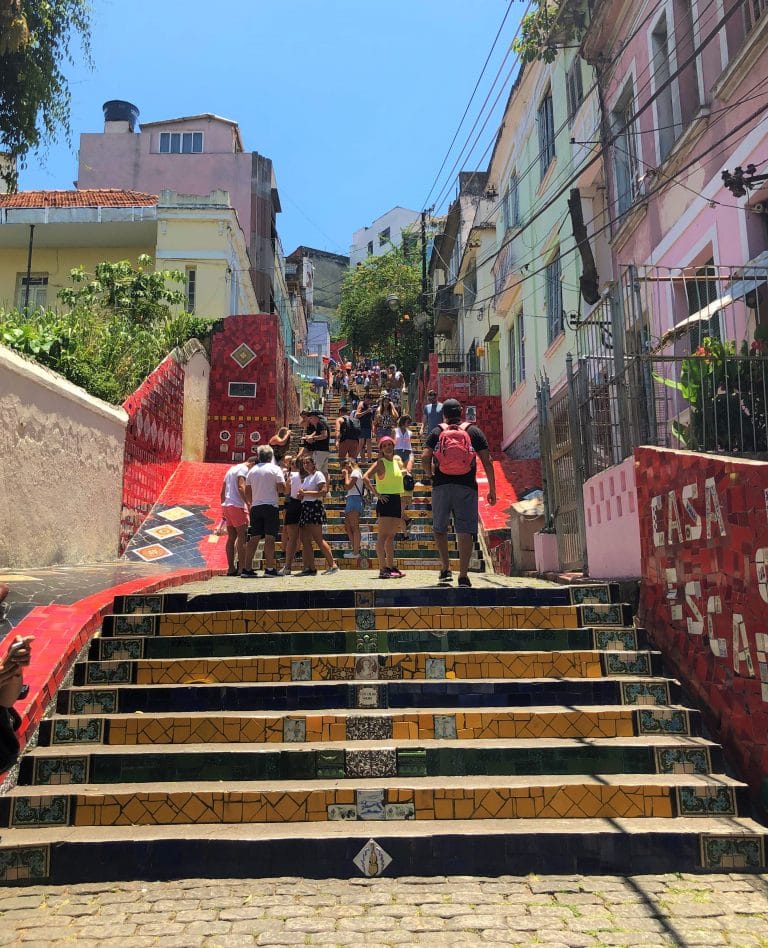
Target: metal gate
x,y
562,470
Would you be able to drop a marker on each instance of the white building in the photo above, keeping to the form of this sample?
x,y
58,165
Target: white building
x,y
383,234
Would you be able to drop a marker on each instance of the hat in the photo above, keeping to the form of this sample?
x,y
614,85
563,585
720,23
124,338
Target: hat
x,y
385,439
451,408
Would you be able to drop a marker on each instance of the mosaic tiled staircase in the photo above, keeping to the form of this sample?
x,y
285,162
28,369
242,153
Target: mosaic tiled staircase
x,y
401,731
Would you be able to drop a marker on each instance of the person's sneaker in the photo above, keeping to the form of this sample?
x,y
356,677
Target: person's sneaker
x,y
446,576
351,555
248,573
232,572
396,573
285,571
464,581
271,572
330,570
308,572
385,573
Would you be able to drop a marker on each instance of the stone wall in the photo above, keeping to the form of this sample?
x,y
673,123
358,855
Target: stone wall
x,y
704,595
61,467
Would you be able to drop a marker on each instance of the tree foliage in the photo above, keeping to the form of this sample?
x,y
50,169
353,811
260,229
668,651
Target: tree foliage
x,y
372,326
120,323
36,40
546,27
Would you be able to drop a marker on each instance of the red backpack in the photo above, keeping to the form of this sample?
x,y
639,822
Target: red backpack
x,y
454,452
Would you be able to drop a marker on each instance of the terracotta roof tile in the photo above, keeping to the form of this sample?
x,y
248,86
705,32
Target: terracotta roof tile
x,y
97,197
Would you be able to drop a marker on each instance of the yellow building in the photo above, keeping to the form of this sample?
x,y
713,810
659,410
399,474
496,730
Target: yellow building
x,y
45,234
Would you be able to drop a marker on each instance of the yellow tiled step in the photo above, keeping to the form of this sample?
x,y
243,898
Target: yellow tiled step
x,y
629,796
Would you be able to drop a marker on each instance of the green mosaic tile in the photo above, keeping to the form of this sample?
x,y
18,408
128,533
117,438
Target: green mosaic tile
x,y
77,731
651,693
365,640
590,594
613,614
25,864
139,604
329,763
711,801
92,702
114,649
626,663
40,811
58,770
662,721
612,639
134,625
412,762
729,853
298,765
693,760
102,673
365,619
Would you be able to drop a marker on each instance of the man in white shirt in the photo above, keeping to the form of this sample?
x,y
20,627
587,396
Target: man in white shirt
x,y
234,513
263,485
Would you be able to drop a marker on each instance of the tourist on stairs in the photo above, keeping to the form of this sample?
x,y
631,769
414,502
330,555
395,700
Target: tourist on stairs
x,y
364,415
234,513
291,514
353,483
12,688
385,419
279,443
388,489
263,486
312,516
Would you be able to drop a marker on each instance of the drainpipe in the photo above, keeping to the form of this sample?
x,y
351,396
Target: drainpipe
x,y
29,266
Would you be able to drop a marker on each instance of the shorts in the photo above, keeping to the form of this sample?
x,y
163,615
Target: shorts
x,y
312,511
291,511
389,505
234,517
347,448
383,433
265,521
404,454
365,432
456,499
354,503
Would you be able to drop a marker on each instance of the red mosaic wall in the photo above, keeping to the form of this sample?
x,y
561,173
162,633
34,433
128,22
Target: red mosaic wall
x,y
153,441
704,595
240,418
488,407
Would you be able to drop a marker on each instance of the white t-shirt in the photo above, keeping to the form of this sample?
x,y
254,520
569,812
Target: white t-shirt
x,y
356,476
402,439
295,484
263,480
232,496
313,482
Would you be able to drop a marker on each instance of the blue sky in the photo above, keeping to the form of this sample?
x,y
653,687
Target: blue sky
x,y
356,102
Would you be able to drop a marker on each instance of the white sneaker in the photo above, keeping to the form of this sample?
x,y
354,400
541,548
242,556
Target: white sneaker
x,y
330,570
351,555
285,571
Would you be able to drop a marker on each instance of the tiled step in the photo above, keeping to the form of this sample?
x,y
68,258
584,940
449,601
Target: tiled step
x,y
418,666
441,724
340,849
546,796
59,766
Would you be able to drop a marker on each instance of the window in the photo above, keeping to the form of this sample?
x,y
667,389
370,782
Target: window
x,y
511,208
190,289
383,236
626,165
574,89
546,122
32,292
753,10
554,298
512,350
516,344
242,390
181,143
700,292
666,134
520,348
370,248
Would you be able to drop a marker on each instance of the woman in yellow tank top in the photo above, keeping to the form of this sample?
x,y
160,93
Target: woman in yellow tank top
x,y
384,478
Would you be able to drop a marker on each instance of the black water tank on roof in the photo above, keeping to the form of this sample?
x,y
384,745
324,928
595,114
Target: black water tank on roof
x,y
118,110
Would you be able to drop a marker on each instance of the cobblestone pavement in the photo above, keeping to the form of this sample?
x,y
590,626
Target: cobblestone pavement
x,y
677,910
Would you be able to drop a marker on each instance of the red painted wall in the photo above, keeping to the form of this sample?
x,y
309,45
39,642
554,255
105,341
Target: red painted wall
x,y
152,443
240,418
488,407
704,596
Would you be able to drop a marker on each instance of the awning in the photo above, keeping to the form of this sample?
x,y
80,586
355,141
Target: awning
x,y
293,359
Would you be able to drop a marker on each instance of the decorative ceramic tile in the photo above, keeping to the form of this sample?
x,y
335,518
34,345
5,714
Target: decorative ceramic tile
x,y
726,853
399,811
330,764
134,625
435,668
663,721
627,663
365,599
365,619
368,696
143,604
370,804
153,552
371,763
92,702
602,615
633,692
40,811
589,594
111,649
243,355
175,513
369,728
164,532
25,863
445,726
84,731
60,770
412,762
294,730
366,640
706,801
683,760
337,811
372,860
102,673
616,640
301,669
367,668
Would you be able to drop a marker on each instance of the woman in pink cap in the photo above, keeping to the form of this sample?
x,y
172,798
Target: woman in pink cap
x,y
384,478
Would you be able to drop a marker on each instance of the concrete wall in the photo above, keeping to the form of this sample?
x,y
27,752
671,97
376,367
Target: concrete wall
x,y
61,467
613,524
197,373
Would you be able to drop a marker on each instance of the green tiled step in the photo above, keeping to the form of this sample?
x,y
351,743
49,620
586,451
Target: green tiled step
x,y
624,796
57,766
394,666
68,855
435,724
117,648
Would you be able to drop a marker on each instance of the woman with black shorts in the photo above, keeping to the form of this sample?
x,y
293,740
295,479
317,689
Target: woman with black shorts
x,y
291,515
312,517
388,488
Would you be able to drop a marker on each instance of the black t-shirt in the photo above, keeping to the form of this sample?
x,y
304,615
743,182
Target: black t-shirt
x,y
479,443
322,444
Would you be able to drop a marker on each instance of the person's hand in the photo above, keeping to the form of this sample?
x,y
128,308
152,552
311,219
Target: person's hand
x,y
300,494
19,652
491,498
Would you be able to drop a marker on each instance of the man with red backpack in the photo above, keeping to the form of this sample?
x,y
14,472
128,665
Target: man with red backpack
x,y
450,459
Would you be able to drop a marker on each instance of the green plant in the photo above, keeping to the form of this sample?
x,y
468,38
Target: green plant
x,y
549,25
